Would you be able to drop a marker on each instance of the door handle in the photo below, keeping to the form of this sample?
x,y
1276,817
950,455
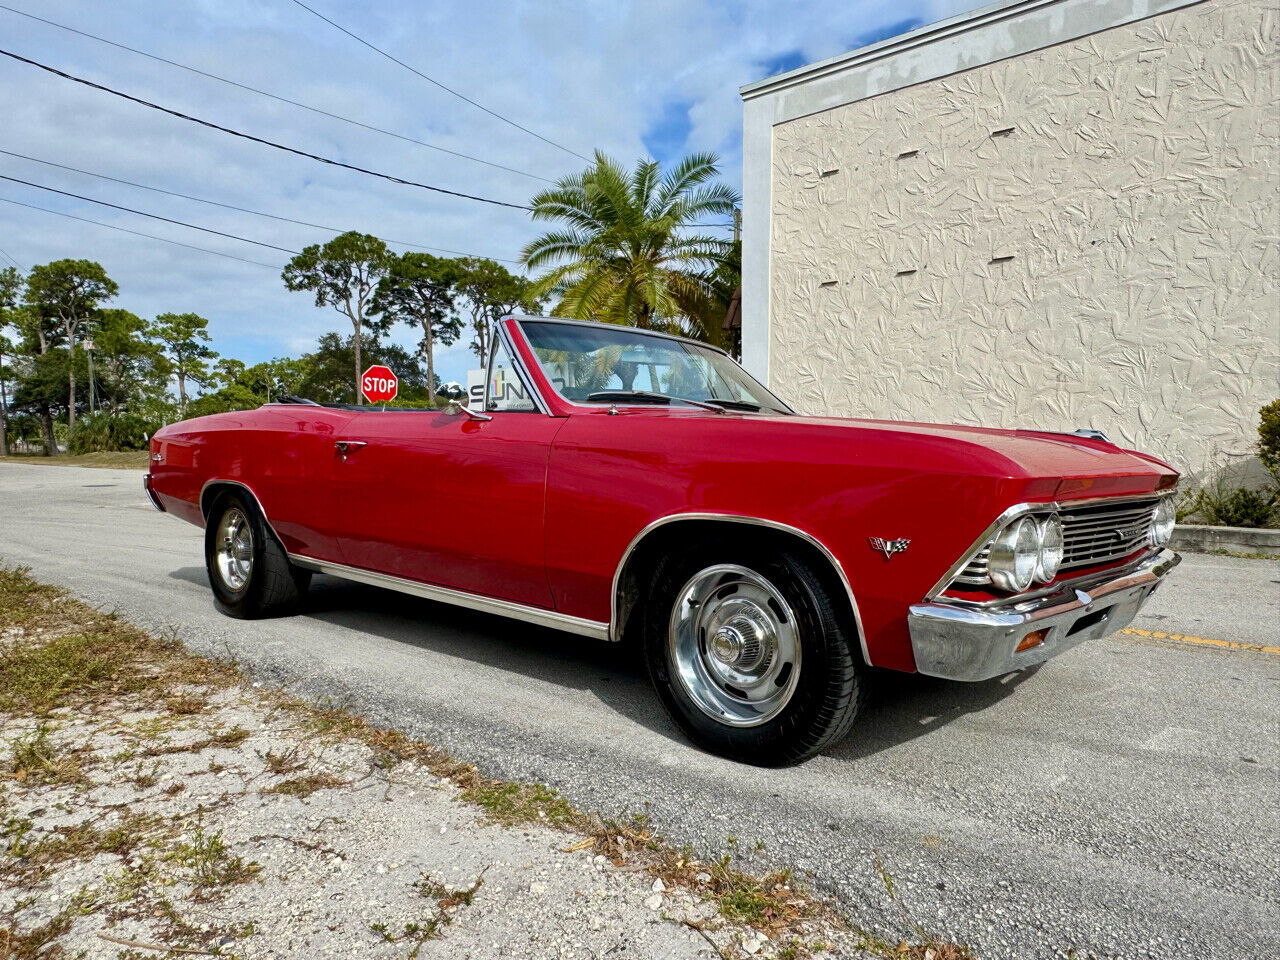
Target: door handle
x,y
348,446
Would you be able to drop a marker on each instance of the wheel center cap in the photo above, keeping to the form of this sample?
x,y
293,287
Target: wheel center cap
x,y
726,645
741,642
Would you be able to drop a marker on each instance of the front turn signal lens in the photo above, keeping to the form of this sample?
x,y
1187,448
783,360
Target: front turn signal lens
x,y
1033,639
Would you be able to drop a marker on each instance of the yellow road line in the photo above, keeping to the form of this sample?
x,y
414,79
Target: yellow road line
x,y
1202,641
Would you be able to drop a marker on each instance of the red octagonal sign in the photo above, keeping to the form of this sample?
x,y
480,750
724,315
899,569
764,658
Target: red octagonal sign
x,y
379,384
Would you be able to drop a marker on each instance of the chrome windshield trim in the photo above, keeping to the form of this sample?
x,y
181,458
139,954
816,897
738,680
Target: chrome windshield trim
x,y
1011,513
517,363
615,628
458,598
787,409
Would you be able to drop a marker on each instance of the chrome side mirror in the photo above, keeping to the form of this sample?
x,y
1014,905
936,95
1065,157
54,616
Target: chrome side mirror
x,y
456,395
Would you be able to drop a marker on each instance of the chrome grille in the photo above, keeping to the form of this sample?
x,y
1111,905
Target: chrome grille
x,y
1098,533
1095,533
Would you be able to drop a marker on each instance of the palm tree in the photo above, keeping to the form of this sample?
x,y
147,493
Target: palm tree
x,y
625,254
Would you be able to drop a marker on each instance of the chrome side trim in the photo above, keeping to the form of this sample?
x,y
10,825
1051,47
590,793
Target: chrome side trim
x,y
247,489
615,629
151,494
1018,510
459,598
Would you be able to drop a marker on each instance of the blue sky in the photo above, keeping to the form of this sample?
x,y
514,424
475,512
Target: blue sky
x,y
653,79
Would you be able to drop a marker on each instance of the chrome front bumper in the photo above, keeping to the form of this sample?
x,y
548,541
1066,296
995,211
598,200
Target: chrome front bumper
x,y
969,642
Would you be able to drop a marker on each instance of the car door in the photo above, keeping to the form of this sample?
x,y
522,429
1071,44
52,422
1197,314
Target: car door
x,y
451,500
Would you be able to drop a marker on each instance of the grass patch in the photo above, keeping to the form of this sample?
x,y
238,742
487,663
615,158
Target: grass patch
x,y
36,761
306,785
109,459
71,656
27,861
514,803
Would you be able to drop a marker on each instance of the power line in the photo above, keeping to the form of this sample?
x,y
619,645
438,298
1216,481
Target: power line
x,y
231,206
153,216
13,261
272,96
437,83
138,233
264,142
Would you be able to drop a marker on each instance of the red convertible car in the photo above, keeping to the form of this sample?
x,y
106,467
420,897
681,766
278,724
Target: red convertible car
x,y
632,486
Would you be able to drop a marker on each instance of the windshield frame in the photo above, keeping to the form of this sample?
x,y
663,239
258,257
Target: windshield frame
x,y
783,408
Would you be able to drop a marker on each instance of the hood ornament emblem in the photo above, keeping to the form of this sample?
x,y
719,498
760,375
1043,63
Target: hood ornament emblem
x,y
889,547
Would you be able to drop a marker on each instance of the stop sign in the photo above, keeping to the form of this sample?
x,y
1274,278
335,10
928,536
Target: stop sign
x,y
379,384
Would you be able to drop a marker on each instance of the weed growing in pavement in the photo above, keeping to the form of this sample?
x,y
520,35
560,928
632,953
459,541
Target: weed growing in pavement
x,y
36,761
306,785
209,861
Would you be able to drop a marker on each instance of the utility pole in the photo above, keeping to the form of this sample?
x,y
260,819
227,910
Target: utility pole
x,y
87,343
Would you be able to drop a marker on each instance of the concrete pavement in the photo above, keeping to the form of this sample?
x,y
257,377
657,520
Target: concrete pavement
x,y
1123,799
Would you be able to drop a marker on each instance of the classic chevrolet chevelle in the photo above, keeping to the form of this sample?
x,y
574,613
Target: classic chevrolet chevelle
x,y
627,485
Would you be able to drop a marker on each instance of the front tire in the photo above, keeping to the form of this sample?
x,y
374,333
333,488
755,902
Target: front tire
x,y
749,655
248,569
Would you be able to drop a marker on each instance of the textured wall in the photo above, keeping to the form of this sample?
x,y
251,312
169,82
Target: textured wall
x,y
1086,235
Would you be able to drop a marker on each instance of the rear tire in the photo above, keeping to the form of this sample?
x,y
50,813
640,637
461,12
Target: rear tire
x,y
749,655
248,569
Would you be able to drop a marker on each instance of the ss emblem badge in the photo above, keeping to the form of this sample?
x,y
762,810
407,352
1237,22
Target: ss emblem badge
x,y
889,547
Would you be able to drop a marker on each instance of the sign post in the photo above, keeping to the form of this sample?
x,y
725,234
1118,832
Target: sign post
x,y
379,384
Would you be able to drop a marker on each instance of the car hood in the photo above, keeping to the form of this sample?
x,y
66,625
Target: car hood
x,y
1013,452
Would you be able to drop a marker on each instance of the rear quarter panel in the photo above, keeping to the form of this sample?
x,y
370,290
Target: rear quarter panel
x,y
283,453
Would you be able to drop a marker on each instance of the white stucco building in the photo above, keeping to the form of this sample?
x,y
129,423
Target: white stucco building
x,y
1044,213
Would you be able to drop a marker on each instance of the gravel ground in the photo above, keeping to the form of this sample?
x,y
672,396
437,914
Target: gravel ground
x,y
212,818
1121,801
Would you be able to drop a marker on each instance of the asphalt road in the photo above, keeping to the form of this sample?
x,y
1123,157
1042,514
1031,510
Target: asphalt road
x,y
1124,799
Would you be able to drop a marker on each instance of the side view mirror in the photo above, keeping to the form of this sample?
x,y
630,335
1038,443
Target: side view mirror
x,y
452,391
456,395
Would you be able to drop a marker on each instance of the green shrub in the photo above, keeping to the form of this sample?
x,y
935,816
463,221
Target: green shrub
x,y
1269,436
111,431
1239,507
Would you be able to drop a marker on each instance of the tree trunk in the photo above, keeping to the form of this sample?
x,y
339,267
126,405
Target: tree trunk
x,y
46,430
4,413
359,395
431,362
71,386
182,394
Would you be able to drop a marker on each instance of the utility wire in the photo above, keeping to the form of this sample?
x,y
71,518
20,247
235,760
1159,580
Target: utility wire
x,y
230,206
13,261
264,142
138,233
272,96
153,216
432,80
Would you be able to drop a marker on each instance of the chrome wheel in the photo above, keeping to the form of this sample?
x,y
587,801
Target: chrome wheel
x,y
733,646
234,549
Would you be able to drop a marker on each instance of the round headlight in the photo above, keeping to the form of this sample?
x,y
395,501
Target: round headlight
x,y
1051,548
1015,555
1162,522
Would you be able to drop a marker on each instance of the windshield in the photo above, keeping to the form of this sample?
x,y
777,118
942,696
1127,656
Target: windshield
x,y
605,365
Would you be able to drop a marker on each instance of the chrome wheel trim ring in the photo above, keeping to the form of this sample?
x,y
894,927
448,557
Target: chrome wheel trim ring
x,y
732,645
233,550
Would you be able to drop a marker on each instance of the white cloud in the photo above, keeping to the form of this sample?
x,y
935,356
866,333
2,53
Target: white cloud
x,y
585,74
